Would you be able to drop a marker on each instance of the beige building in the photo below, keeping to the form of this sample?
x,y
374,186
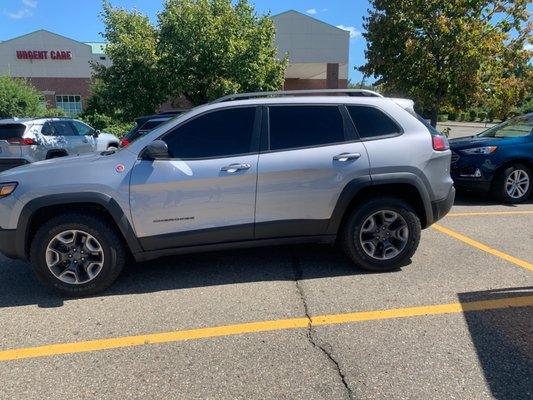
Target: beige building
x,y
61,67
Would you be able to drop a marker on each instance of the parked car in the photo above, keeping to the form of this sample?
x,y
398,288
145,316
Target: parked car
x,y
23,141
498,160
262,169
145,124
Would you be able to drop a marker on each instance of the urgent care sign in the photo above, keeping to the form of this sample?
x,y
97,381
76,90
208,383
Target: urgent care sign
x,y
44,54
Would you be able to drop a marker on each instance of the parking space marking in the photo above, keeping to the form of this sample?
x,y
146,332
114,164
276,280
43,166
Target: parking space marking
x,y
261,326
488,213
484,247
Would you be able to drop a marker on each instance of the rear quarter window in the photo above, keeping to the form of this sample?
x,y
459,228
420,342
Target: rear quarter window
x,y
371,122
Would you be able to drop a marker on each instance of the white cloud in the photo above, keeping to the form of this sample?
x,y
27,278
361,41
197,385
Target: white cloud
x,y
311,11
30,3
324,9
22,13
354,33
25,11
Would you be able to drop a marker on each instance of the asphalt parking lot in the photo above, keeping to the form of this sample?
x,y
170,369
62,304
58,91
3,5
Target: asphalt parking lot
x,y
289,322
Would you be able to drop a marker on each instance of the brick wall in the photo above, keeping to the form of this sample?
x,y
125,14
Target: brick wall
x,y
62,86
301,84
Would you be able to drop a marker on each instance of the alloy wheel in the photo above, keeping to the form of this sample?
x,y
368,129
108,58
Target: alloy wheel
x,y
517,184
384,235
75,257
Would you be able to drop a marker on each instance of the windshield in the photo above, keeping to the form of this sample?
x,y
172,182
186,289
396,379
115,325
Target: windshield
x,y
516,127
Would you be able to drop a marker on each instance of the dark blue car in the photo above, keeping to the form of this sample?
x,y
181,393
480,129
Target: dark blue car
x,y
498,160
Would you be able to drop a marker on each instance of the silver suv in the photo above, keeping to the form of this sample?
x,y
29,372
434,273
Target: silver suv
x,y
248,170
23,141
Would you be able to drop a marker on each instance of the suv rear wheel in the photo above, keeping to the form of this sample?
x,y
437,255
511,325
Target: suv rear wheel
x,y
381,235
77,254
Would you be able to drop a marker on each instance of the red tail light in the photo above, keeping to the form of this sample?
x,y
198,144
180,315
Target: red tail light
x,y
21,141
124,143
440,143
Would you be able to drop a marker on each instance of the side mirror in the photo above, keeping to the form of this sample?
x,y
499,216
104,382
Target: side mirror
x,y
96,133
156,150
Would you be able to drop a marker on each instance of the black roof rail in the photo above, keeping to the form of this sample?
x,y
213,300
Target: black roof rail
x,y
308,92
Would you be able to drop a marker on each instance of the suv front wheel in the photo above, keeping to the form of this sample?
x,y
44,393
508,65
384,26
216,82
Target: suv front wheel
x,y
381,235
77,254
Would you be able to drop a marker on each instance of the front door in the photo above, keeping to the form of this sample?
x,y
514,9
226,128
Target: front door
x,y
205,192
87,142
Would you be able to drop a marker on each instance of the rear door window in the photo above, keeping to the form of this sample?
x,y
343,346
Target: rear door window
x,y
305,126
63,128
10,131
371,122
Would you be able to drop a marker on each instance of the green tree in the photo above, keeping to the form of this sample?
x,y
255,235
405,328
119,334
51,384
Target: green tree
x,y
436,51
132,86
18,98
210,48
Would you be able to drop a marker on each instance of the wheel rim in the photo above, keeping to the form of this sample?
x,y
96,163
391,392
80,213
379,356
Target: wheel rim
x,y
517,184
384,235
74,257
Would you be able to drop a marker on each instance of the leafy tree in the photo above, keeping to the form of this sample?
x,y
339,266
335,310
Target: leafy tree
x,y
436,51
18,98
132,86
210,48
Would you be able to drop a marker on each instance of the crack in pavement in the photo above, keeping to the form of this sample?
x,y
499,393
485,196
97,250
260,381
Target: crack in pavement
x,y
311,333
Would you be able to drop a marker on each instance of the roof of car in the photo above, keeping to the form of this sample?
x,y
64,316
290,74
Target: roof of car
x,y
29,119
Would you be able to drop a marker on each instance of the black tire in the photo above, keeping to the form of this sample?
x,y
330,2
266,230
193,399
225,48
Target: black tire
x,y
499,184
111,244
351,233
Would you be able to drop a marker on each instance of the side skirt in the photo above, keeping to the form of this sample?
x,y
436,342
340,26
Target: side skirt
x,y
150,255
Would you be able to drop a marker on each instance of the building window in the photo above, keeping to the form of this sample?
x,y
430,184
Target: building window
x,y
71,104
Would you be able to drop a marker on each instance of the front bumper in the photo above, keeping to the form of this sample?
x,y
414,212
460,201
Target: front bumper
x,y
7,243
472,184
442,207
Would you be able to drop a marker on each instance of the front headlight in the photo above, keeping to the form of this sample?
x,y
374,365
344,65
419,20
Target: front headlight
x,y
480,150
7,188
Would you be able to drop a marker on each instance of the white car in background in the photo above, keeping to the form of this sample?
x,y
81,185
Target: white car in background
x,y
106,141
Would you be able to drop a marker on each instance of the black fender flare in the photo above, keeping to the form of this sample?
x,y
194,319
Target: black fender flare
x,y
353,188
114,209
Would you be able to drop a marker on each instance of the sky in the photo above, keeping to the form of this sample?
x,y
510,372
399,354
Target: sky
x,y
80,20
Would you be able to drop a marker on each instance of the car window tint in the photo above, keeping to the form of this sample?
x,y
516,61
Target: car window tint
x,y
303,126
371,122
82,129
216,134
63,128
10,131
149,125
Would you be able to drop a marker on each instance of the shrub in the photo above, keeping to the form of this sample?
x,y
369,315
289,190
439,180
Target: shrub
x,y
490,116
18,98
452,116
442,117
107,124
482,115
472,115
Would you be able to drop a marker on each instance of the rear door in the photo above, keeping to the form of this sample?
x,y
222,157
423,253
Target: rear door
x,y
205,192
310,155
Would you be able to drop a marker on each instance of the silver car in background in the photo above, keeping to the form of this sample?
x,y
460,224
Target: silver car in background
x,y
24,141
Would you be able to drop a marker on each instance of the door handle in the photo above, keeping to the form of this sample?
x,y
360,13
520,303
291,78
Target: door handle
x,y
343,157
236,167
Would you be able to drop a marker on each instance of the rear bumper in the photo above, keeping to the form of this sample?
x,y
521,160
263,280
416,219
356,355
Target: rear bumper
x,y
442,207
7,243
8,163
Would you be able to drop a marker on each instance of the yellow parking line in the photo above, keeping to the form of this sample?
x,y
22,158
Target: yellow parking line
x,y
262,326
484,247
488,213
